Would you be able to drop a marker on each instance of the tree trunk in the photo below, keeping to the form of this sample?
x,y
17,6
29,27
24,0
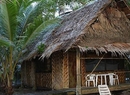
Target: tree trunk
x,y
9,91
9,88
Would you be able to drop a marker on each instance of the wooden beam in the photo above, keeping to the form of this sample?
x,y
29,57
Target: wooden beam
x,y
99,58
119,0
78,72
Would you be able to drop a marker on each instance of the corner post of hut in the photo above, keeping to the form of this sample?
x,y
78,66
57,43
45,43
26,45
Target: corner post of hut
x,y
78,73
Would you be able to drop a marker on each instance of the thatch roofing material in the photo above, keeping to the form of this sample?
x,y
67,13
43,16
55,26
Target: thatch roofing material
x,y
94,26
72,27
111,26
99,26
115,48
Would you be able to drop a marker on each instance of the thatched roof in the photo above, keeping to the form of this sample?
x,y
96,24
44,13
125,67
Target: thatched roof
x,y
114,48
97,25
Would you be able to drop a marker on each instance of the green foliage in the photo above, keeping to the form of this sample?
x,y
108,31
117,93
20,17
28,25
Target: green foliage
x,y
41,48
21,21
128,1
20,24
5,42
8,13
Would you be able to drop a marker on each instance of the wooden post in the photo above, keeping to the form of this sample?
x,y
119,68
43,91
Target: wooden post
x,y
78,72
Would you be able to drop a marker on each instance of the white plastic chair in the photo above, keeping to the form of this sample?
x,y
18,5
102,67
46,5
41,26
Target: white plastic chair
x,y
115,79
111,76
90,78
104,90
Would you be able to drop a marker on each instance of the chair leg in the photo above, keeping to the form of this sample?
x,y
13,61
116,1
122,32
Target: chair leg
x,y
93,83
114,82
117,81
88,83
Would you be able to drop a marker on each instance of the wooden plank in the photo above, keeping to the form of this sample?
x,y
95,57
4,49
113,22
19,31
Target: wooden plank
x,y
83,71
92,90
78,72
72,69
100,58
86,90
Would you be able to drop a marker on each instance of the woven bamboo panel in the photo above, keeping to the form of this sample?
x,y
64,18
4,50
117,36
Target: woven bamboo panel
x,y
32,79
28,73
121,76
32,73
83,72
65,71
43,80
23,75
57,67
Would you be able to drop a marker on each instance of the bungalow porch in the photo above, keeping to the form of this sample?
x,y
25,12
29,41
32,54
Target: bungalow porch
x,y
93,90
62,71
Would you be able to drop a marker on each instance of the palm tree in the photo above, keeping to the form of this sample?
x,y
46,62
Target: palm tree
x,y
20,22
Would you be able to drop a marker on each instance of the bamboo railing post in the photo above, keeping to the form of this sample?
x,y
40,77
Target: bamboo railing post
x,y
78,73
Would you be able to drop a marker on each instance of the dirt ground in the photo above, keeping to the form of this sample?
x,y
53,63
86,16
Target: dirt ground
x,y
31,92
39,92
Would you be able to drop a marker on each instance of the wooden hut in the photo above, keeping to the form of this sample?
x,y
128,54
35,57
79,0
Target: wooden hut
x,y
98,31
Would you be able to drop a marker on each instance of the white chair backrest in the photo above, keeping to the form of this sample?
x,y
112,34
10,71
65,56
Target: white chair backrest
x,y
115,76
90,76
111,73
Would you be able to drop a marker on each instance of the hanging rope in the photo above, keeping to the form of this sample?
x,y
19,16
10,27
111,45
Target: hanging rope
x,y
97,64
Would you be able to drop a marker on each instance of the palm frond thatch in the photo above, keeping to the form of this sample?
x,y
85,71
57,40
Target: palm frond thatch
x,y
72,27
100,24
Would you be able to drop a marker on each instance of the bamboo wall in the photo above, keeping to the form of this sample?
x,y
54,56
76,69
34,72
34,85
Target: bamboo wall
x,y
57,68
28,74
58,79
64,70
43,80
32,79
83,72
